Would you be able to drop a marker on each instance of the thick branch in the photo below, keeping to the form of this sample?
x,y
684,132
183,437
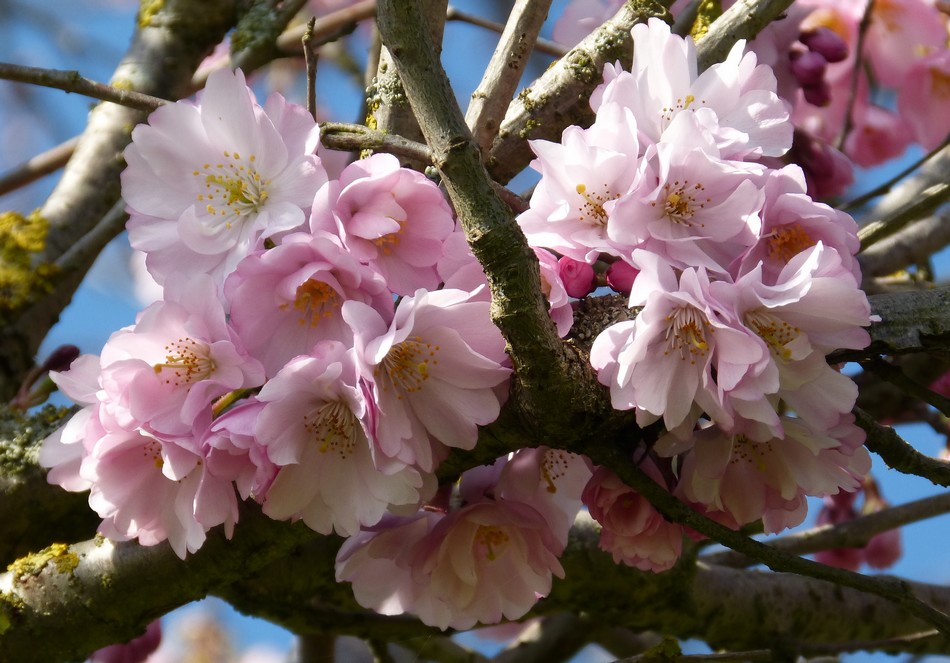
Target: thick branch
x,y
912,245
557,390
99,592
743,20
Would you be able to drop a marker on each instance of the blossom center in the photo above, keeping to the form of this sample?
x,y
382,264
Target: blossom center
x,y
776,333
683,200
554,465
490,542
407,364
788,241
592,211
186,361
388,242
667,112
315,300
232,187
153,450
333,427
750,452
686,334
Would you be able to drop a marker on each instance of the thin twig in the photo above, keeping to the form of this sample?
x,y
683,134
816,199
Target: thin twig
x,y
855,74
899,379
898,454
541,45
356,138
754,656
332,24
36,167
881,189
72,81
310,58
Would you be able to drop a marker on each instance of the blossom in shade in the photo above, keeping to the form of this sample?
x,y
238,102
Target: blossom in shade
x,y
924,99
749,479
286,299
135,650
207,181
233,452
314,426
837,509
632,530
479,564
435,373
392,218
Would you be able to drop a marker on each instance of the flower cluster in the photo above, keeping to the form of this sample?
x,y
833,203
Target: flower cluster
x,y
322,343
277,365
743,285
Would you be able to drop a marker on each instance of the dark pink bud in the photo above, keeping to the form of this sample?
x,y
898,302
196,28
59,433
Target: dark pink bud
x,y
818,94
61,358
827,42
577,277
808,67
621,275
133,651
884,549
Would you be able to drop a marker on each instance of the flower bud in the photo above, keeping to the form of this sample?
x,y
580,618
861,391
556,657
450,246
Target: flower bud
x,y
620,276
827,42
577,276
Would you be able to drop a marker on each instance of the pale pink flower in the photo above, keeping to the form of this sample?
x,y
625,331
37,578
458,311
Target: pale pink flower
x,y
459,269
391,218
792,223
581,178
153,490
681,354
633,531
206,182
165,371
749,118
233,452
314,426
877,135
924,98
692,207
286,299
900,32
549,480
434,373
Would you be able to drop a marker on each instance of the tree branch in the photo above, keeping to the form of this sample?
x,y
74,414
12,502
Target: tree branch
x,y
500,80
744,20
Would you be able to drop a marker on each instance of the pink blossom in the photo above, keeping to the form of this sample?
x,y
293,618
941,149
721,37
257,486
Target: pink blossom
x,y
314,426
633,531
286,299
392,218
165,371
232,451
900,32
435,373
835,509
206,182
459,269
792,223
878,135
